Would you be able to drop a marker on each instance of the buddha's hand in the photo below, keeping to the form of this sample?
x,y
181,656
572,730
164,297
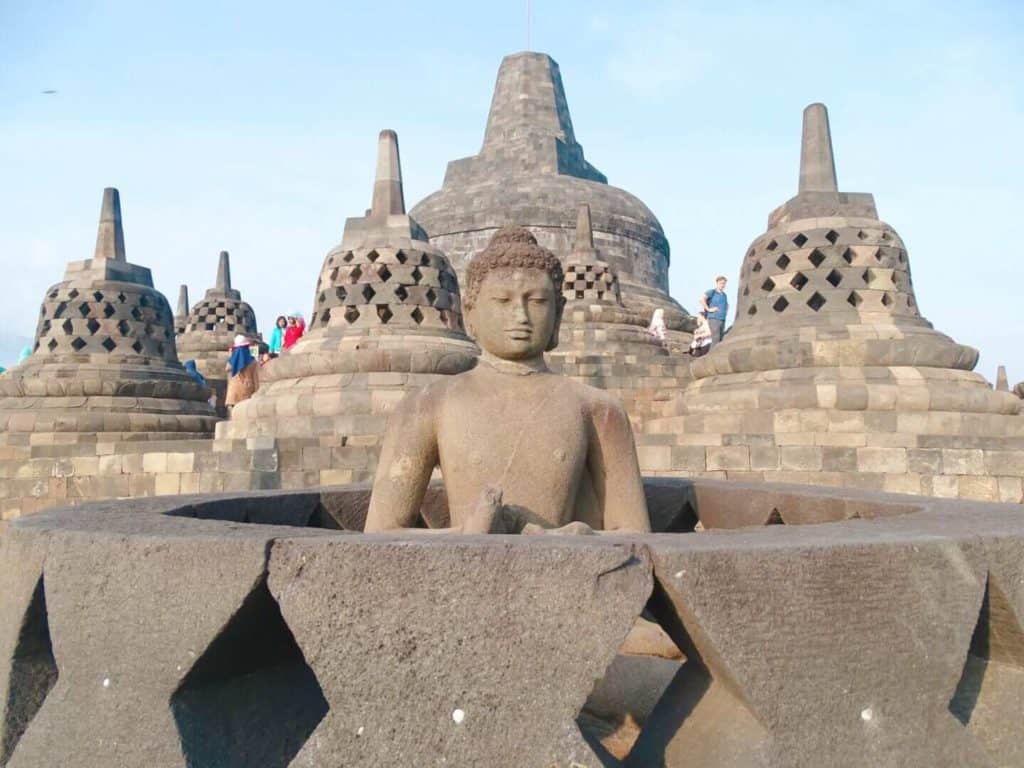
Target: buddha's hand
x,y
575,528
486,517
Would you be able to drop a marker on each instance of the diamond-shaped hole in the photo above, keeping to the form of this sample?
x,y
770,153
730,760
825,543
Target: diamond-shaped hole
x,y
84,310
816,258
780,304
783,261
417,316
800,239
137,346
368,293
73,293
97,295
93,325
834,278
771,246
68,327
372,256
862,235
384,273
78,344
816,302
123,327
753,310
52,345
832,236
355,273
347,258
768,285
400,257
384,313
108,310
351,314
887,299
417,275
340,293
854,299
756,267
431,294
799,281
401,293
849,255
33,671
229,707
109,344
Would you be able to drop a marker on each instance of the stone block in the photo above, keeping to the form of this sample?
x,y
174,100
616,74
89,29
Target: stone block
x,y
978,488
882,460
764,458
155,462
728,457
167,484
834,459
924,461
963,461
654,457
1004,463
800,457
180,463
335,476
689,457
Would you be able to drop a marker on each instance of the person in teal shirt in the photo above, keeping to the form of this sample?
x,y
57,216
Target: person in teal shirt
x,y
716,306
277,337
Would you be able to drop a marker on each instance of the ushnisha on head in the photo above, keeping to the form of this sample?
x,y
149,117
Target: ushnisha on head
x,y
513,299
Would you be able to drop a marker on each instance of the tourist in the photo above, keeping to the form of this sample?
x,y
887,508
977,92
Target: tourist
x,y
277,337
701,337
245,377
295,329
716,304
197,377
26,353
657,327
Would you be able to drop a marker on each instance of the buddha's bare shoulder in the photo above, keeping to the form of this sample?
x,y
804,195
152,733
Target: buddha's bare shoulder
x,y
596,402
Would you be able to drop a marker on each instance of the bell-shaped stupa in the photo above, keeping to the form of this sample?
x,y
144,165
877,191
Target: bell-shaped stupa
x,y
386,318
531,172
831,374
602,342
212,325
103,372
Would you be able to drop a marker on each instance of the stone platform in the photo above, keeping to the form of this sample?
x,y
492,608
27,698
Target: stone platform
x,y
248,632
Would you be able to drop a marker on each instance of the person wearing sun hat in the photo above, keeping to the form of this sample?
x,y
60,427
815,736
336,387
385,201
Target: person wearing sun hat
x,y
245,372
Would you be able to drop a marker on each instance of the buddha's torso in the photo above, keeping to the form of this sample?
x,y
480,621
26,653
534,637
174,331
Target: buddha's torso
x,y
527,434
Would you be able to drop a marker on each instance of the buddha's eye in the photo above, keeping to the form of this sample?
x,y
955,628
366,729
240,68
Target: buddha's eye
x,y
500,299
538,300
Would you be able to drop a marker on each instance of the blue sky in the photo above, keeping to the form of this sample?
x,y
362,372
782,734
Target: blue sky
x,y
251,127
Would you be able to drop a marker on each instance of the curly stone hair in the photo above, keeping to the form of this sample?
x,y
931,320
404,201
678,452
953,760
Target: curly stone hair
x,y
511,247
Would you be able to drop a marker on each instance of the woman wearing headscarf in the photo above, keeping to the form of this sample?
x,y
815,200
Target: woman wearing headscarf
x,y
657,326
197,377
277,336
245,372
296,328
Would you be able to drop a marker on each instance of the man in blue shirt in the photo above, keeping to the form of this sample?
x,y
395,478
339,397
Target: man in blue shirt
x,y
716,306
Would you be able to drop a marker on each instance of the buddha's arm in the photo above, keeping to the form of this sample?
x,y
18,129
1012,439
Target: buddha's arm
x,y
408,457
613,465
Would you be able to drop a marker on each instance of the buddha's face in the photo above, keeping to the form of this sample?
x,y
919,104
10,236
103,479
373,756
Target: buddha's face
x,y
515,314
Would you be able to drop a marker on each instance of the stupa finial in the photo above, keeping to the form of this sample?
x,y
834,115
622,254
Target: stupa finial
x,y
817,164
223,273
182,301
584,231
110,237
388,198
1002,380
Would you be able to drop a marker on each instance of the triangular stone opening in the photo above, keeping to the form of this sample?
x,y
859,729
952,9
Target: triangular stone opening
x,y
250,698
33,673
991,688
699,718
621,702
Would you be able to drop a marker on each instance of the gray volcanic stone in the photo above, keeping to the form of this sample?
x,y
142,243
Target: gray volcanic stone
x,y
444,651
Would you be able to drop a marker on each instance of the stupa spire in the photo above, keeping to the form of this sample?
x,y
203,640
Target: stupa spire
x,y
223,283
817,163
388,197
110,237
529,98
183,301
1002,380
584,230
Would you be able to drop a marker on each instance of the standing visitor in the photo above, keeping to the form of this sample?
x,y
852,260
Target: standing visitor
x,y
701,337
293,332
245,377
716,306
657,326
277,337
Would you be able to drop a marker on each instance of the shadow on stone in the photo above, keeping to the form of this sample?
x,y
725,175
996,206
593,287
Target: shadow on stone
x,y
990,694
33,673
250,699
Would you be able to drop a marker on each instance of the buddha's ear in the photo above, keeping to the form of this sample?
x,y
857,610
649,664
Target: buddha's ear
x,y
559,309
467,321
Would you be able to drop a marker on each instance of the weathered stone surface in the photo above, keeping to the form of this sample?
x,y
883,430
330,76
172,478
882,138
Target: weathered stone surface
x,y
470,697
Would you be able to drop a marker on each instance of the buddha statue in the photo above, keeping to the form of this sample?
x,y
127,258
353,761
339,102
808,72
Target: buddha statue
x,y
521,449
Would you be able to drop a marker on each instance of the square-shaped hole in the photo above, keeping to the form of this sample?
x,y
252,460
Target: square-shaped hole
x,y
772,246
816,302
854,299
799,281
832,236
816,258
780,304
768,285
783,261
800,239
834,278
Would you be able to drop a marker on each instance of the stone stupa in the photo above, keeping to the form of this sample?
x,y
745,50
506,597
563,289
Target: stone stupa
x,y
212,325
103,372
531,172
830,374
602,342
386,318
181,316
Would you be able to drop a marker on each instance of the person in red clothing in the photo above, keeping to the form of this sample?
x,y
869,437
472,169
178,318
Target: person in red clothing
x,y
293,332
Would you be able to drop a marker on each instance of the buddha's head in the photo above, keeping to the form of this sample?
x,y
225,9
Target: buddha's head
x,y
513,298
